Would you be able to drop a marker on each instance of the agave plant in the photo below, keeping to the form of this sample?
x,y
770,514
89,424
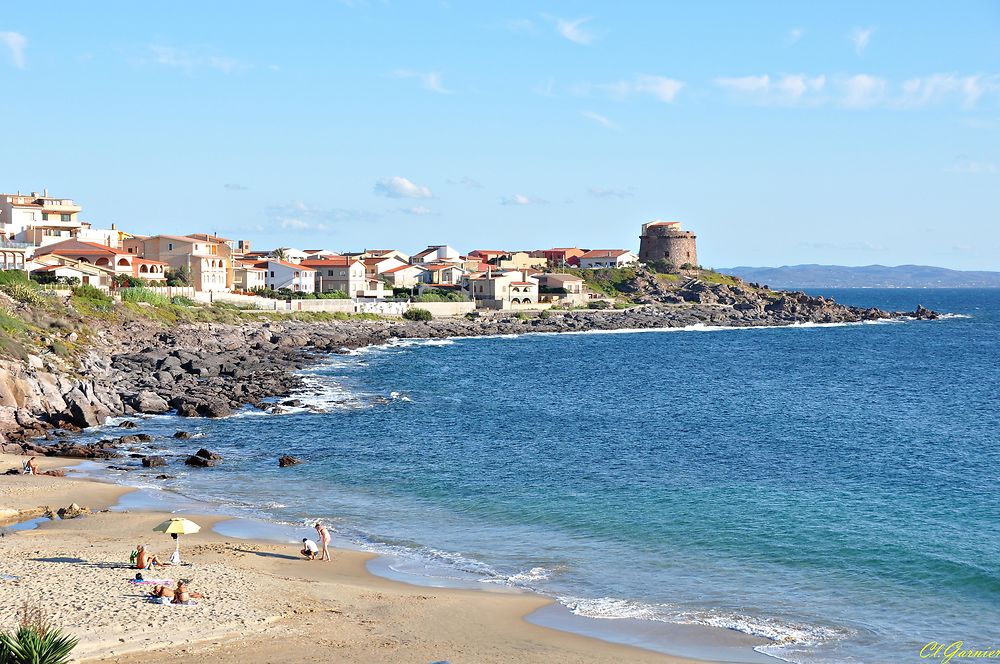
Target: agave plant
x,y
36,641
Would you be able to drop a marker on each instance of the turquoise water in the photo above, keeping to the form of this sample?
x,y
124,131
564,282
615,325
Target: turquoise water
x,y
833,488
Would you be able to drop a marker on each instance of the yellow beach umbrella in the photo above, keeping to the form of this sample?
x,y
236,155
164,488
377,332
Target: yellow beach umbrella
x,y
177,526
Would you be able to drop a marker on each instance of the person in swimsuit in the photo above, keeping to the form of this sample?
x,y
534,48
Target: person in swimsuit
x,y
145,560
324,540
31,466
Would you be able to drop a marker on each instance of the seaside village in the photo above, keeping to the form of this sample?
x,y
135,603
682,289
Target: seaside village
x,y
45,236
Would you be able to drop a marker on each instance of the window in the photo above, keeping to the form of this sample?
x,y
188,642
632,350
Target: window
x,y
342,273
65,217
170,246
296,276
329,273
45,216
272,274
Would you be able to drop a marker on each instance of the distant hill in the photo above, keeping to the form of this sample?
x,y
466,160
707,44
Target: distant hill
x,y
867,276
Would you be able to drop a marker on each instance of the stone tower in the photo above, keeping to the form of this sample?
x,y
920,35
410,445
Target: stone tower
x,y
664,240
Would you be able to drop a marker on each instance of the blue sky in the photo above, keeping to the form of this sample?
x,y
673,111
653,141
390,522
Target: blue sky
x,y
781,132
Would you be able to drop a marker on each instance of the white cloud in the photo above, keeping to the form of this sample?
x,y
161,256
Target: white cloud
x,y
417,211
299,216
431,81
572,29
973,167
863,91
661,88
921,91
795,35
400,187
467,182
782,90
235,187
521,199
861,37
609,192
605,122
15,43
169,56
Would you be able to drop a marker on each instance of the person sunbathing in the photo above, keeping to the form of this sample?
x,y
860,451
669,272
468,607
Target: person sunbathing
x,y
183,596
144,559
163,591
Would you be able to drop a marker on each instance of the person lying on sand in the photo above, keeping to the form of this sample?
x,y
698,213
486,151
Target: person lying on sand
x,y
178,595
309,548
144,559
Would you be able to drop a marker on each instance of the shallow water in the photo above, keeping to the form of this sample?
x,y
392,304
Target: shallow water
x,y
831,488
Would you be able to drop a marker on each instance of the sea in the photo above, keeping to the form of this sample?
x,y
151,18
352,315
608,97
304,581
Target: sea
x,y
830,488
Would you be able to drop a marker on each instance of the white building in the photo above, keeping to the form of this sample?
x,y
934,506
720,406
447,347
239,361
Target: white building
x,y
436,253
282,274
606,258
502,290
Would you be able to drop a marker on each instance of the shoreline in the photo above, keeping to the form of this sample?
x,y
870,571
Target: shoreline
x,y
509,611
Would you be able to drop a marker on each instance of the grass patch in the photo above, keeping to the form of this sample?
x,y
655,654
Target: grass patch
x,y
672,278
608,281
143,294
713,277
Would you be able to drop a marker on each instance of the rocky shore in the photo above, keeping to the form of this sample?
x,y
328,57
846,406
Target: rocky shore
x,y
213,369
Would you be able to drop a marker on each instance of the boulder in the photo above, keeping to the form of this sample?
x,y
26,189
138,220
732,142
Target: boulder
x,y
287,460
201,462
153,461
182,435
128,424
144,437
72,511
205,454
150,402
82,412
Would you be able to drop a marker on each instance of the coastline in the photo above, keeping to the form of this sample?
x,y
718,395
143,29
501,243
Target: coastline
x,y
261,593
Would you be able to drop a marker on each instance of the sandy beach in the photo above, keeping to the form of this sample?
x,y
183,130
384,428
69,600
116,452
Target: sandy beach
x,y
263,603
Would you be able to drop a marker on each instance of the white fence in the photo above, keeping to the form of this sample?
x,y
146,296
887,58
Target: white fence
x,y
382,308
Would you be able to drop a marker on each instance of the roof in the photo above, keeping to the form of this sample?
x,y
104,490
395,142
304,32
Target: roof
x,y
79,247
250,268
488,252
206,236
146,261
294,266
523,283
562,278
404,267
439,266
335,261
605,253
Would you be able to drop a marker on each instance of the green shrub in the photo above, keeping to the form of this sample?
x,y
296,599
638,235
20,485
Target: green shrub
x,y
520,315
90,299
417,314
545,314
333,295
182,301
22,291
36,641
143,294
128,281
599,304
13,277
439,295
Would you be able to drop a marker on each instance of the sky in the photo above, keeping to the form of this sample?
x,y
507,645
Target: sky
x,y
781,133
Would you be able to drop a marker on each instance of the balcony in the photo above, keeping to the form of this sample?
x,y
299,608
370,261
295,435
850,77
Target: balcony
x,y
4,244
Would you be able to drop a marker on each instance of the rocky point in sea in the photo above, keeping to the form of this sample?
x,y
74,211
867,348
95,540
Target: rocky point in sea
x,y
214,369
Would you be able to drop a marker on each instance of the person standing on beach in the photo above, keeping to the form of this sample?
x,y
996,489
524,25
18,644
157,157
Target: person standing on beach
x,y
324,540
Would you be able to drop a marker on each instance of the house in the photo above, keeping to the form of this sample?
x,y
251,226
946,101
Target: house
x,y
40,219
487,255
281,274
560,283
519,260
441,274
119,262
207,260
502,290
339,273
14,255
560,256
436,253
376,266
405,276
53,269
247,276
605,258
566,288
387,253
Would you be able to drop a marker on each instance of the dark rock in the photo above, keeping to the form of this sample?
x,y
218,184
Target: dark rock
x,y
153,461
164,477
144,437
287,460
205,454
201,462
128,424
182,435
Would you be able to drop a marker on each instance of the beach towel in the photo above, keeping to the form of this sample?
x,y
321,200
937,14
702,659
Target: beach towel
x,y
167,601
152,582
